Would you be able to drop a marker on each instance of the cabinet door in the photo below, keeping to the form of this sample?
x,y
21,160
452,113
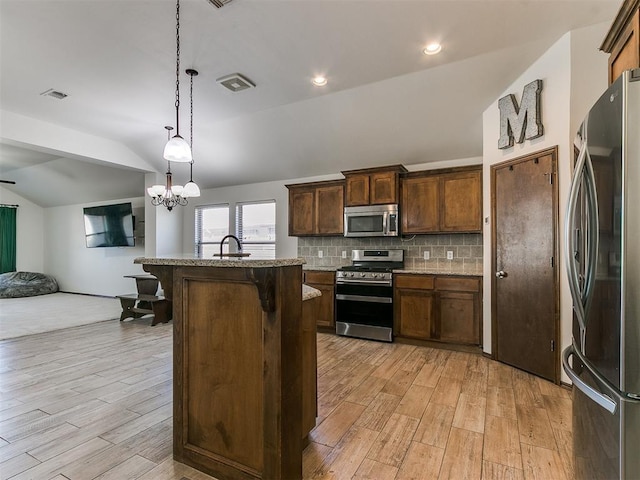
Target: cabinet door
x,y
461,202
459,318
414,313
625,54
325,308
420,205
384,188
357,190
301,212
330,210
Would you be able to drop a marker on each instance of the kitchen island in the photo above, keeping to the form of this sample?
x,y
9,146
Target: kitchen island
x,y
237,364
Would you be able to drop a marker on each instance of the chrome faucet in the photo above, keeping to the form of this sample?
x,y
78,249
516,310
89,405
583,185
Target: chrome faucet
x,y
235,238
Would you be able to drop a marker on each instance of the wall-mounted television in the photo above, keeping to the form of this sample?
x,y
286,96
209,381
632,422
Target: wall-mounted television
x,y
109,226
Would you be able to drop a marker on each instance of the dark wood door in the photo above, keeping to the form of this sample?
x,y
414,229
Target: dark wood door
x,y
525,296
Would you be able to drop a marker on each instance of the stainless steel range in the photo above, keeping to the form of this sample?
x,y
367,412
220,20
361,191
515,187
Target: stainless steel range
x,y
364,294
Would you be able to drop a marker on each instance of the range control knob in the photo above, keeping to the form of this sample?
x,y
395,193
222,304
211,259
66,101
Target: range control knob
x,y
363,274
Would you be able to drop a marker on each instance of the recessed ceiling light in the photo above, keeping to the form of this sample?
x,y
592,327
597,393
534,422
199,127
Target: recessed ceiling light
x,y
432,49
319,81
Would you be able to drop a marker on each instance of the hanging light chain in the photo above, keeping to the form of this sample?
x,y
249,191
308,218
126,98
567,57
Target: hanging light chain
x,y
177,104
191,97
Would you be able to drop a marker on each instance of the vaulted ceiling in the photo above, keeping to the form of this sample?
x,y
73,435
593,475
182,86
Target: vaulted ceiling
x,y
385,102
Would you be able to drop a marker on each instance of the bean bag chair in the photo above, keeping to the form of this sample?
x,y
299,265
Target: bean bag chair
x,y
26,284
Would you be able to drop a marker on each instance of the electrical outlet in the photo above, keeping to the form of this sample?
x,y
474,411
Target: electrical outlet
x,y
449,254
344,254
426,255
320,254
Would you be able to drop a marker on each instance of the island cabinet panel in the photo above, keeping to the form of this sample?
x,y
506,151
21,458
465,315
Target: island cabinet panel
x,y
238,371
442,201
373,186
438,307
316,209
324,312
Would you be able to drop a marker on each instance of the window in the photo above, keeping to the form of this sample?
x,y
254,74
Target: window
x,y
212,224
256,228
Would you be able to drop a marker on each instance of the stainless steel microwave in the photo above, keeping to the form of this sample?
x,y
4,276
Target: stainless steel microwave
x,y
371,221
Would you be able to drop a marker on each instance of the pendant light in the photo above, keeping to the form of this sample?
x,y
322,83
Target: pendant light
x,y
168,195
191,189
177,149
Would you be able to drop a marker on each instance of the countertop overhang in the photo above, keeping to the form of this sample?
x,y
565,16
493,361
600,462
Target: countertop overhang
x,y
242,262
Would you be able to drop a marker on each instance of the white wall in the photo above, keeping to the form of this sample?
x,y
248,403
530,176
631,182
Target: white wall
x,y
29,232
573,72
78,269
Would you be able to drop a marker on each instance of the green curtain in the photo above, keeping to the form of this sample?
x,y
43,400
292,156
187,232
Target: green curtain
x,y
7,239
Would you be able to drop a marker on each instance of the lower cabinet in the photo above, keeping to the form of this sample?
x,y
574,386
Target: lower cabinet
x,y
438,307
325,282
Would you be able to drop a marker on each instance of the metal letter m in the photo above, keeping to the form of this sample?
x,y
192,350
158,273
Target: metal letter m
x,y
524,122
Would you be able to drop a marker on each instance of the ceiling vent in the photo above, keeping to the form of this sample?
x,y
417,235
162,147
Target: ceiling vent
x,y
235,82
219,3
54,93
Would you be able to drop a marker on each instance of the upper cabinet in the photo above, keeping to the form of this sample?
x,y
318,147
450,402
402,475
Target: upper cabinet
x,y
623,40
373,186
438,201
316,208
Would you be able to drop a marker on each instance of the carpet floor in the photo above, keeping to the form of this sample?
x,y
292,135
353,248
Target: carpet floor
x,y
45,313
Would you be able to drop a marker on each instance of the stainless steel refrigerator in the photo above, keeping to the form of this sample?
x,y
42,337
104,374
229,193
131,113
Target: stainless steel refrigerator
x,y
602,251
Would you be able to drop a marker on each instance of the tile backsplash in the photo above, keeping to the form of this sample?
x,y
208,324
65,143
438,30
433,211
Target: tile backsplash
x,y
466,248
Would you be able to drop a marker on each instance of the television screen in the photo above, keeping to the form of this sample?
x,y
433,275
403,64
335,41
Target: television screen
x,y
109,226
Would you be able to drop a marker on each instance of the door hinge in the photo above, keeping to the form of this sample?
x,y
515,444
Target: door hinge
x,y
550,175
553,345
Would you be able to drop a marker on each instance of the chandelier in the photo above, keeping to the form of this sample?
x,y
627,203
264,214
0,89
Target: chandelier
x,y
177,149
168,195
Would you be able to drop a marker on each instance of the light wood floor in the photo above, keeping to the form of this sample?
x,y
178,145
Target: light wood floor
x,y
95,402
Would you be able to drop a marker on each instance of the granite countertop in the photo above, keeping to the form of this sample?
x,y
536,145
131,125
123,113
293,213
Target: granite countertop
x,y
238,262
322,269
433,271
309,292
419,271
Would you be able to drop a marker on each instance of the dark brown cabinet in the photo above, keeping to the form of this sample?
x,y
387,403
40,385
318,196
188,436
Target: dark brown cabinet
x,y
442,201
373,186
441,308
623,40
414,306
325,307
316,208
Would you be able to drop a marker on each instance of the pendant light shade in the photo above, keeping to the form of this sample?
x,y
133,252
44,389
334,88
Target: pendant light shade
x,y
191,189
177,150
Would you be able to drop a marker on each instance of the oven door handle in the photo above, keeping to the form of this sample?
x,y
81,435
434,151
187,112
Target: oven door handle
x,y
363,298
344,281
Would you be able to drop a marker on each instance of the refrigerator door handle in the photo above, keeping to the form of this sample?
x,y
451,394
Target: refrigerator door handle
x,y
592,234
601,399
570,237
